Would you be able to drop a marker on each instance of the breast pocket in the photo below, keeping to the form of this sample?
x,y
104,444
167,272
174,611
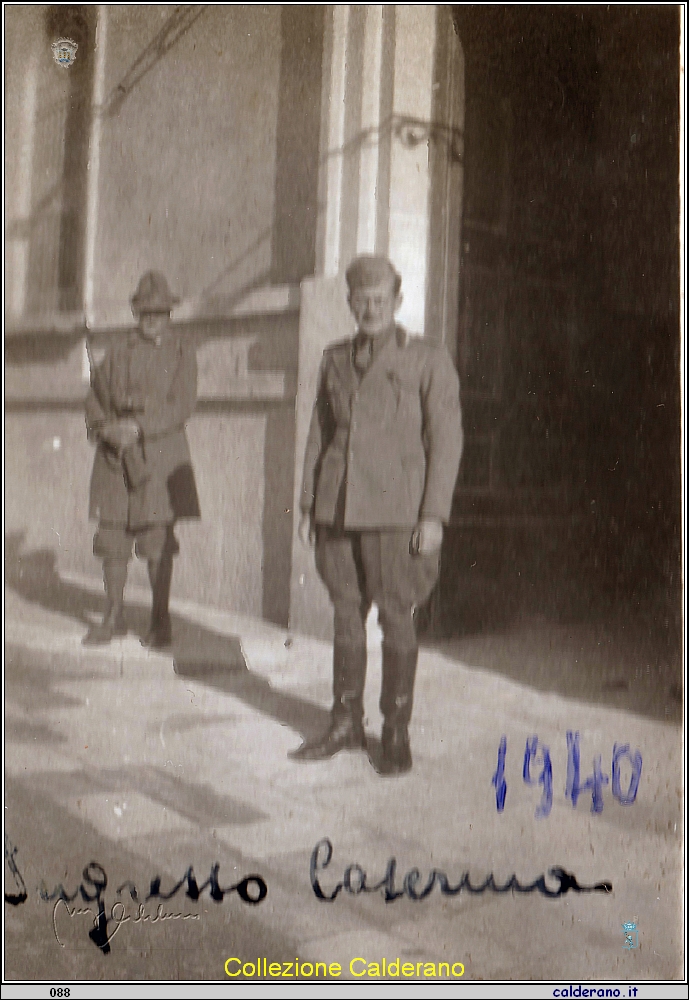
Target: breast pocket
x,y
404,405
403,389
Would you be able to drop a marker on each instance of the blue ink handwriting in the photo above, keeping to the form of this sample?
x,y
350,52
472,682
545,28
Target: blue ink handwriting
x,y
535,751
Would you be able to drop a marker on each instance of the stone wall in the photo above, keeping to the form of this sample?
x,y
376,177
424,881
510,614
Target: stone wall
x,y
242,444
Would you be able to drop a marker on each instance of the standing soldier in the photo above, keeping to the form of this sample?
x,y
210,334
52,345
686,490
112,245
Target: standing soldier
x,y
142,481
380,467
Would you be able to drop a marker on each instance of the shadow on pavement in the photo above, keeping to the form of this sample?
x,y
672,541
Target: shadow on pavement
x,y
212,658
589,647
51,843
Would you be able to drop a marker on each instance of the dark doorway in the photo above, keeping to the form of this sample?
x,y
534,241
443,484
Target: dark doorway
x,y
568,502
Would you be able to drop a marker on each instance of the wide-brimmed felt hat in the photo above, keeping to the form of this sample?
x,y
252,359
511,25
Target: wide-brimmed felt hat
x,y
153,294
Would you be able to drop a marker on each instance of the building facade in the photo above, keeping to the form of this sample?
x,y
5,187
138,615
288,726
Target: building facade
x,y
249,152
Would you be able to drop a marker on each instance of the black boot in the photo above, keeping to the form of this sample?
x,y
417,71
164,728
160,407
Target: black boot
x,y
346,730
114,623
396,757
396,703
159,634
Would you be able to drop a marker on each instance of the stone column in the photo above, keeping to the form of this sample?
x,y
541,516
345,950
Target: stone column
x,y
23,49
369,155
409,186
92,187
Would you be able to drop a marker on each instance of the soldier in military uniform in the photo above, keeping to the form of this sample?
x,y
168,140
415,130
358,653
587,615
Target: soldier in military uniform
x,y
381,462
142,482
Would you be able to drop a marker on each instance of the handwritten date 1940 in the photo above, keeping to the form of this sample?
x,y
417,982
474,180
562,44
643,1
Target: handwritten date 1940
x,y
575,787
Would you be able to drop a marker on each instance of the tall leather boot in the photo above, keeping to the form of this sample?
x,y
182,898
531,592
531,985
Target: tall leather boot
x,y
346,730
114,623
396,703
159,634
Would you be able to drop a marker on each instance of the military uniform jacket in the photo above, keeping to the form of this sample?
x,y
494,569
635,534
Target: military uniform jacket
x,y
155,383
383,449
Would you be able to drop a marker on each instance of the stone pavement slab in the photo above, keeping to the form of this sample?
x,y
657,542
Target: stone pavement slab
x,y
113,757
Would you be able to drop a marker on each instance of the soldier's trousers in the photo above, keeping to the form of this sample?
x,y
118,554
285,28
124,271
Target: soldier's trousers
x,y
360,567
114,542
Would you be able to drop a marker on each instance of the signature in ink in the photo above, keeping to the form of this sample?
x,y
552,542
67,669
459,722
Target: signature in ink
x,y
251,889
118,916
355,881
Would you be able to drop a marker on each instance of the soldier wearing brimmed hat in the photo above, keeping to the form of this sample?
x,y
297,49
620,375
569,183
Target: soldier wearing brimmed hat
x,y
381,462
142,482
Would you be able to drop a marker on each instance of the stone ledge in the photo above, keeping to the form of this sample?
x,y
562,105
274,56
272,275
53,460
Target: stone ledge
x,y
256,386
270,300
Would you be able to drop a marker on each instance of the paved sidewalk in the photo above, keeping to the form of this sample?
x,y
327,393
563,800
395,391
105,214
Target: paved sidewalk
x,y
113,757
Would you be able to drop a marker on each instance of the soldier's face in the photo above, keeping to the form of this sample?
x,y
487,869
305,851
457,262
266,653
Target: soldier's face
x,y
374,306
152,325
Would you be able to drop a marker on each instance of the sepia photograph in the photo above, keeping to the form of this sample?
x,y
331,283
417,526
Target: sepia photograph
x,y
343,498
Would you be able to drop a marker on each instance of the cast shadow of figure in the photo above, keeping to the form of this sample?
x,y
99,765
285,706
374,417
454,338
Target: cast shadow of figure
x,y
33,575
212,658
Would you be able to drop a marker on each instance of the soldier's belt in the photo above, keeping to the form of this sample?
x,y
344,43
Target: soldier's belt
x,y
163,434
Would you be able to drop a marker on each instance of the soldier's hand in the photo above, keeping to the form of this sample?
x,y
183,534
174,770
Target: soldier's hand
x,y
109,434
427,536
307,532
120,434
129,431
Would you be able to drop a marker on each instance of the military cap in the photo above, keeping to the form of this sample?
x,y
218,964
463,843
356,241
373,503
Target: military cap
x,y
370,269
153,294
